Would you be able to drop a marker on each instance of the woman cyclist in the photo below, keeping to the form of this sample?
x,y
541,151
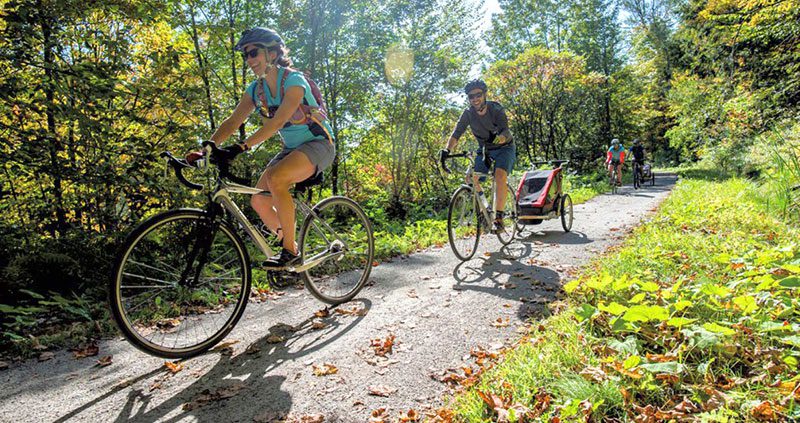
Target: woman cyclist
x,y
307,149
615,157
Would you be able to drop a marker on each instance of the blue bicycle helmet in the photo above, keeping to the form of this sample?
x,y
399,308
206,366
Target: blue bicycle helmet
x,y
264,37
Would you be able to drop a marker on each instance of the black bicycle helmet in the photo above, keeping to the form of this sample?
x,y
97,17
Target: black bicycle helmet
x,y
475,83
264,37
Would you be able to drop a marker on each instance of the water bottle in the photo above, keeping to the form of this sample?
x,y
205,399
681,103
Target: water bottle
x,y
483,200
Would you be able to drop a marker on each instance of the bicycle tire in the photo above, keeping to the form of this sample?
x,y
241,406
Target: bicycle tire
x,y
613,181
155,318
636,178
566,209
509,230
460,231
340,278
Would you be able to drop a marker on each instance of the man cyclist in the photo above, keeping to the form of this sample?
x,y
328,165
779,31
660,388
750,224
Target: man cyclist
x,y
637,150
615,157
489,124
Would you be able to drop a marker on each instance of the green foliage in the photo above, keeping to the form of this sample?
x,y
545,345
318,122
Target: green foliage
x,y
700,304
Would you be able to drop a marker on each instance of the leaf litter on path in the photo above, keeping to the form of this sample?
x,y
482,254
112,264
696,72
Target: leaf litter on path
x,y
216,394
324,370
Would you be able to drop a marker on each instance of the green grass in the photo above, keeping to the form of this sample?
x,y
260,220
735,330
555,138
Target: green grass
x,y
699,306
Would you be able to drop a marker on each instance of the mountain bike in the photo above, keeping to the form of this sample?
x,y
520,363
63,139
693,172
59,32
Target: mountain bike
x,y
182,278
637,177
470,213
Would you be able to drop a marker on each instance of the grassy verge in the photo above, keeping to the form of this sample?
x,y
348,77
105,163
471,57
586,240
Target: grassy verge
x,y
694,317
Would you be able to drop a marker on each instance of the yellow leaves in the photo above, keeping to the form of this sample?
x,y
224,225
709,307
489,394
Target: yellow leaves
x,y
173,367
324,370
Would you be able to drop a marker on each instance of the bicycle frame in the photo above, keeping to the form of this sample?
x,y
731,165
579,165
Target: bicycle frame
x,y
488,215
222,197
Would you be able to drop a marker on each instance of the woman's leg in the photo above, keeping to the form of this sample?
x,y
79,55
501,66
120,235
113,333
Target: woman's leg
x,y
293,168
264,206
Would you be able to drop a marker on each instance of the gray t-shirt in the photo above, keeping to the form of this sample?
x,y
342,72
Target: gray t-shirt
x,y
485,128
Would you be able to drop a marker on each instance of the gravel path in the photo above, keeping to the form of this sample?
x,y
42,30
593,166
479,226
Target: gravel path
x,y
437,308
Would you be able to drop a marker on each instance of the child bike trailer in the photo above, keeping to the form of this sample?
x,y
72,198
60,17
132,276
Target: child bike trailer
x,y
540,196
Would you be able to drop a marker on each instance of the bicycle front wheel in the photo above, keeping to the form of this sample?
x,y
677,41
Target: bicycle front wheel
x,y
180,283
339,234
637,180
509,228
463,227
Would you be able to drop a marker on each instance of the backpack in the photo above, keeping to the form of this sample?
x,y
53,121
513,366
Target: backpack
x,y
306,114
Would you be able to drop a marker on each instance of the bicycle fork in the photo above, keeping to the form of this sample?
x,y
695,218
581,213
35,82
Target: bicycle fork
x,y
203,236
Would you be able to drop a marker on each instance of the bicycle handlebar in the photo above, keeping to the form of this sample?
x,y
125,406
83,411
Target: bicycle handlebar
x,y
223,165
212,154
451,156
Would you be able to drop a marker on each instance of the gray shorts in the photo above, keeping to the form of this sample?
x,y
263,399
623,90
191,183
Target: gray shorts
x,y
319,152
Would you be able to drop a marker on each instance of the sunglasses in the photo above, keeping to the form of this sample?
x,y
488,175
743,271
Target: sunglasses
x,y
474,96
252,53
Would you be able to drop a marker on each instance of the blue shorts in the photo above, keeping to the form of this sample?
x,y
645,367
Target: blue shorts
x,y
503,158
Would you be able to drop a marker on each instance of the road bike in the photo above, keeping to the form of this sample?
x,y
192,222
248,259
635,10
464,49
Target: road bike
x,y
182,278
470,212
612,180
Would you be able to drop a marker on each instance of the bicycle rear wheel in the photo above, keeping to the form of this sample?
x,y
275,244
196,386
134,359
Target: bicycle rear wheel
x,y
463,226
340,231
637,181
180,283
509,230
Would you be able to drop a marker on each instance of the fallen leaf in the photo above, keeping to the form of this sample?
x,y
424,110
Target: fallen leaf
x,y
380,390
410,416
47,355
275,339
353,311
3,365
324,370
487,254
173,367
383,346
764,412
252,349
374,264
89,351
594,374
378,416
318,325
322,313
104,361
303,418
209,395
412,293
500,323
225,345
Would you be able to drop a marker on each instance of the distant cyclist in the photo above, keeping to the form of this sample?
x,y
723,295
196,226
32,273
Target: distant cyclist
x,y
637,150
615,157
489,124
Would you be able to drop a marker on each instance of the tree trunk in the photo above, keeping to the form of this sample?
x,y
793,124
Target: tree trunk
x,y
201,63
52,141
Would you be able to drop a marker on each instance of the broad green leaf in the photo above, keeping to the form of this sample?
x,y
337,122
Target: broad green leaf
x,y
717,290
643,313
770,326
746,303
628,346
585,312
618,324
713,327
649,287
765,282
700,337
672,367
637,298
613,308
599,283
790,282
571,286
621,284
632,362
791,361
682,305
791,268
680,321
793,340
